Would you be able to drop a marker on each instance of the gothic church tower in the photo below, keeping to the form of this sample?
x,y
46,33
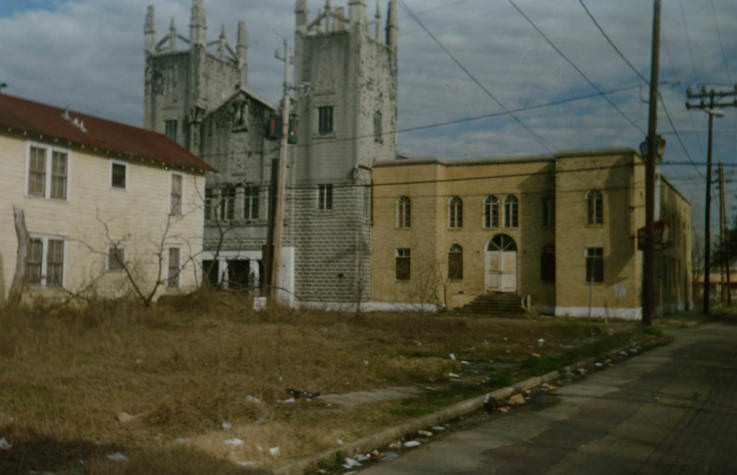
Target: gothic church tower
x,y
347,121
182,85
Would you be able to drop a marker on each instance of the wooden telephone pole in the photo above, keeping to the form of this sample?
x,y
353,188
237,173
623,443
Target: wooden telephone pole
x,y
723,229
713,108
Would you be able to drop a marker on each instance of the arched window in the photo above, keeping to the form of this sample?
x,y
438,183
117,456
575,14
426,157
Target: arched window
x,y
511,212
502,242
404,212
547,263
594,207
456,212
491,212
455,262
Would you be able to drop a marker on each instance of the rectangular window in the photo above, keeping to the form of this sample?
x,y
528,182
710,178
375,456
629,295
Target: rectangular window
x,y
172,280
45,262
325,196
37,172
227,203
34,262
402,264
115,258
118,175
170,129
325,120
594,264
209,200
548,211
378,134
176,195
58,175
250,207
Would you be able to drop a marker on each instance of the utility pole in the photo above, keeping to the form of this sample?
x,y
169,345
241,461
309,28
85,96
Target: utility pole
x,y
648,280
723,229
280,195
713,108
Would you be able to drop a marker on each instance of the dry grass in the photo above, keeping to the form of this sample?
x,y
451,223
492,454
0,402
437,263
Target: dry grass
x,y
188,365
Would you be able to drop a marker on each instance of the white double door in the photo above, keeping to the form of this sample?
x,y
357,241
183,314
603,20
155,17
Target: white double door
x,y
501,271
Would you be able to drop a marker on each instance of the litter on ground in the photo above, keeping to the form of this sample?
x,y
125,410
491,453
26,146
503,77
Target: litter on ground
x,y
235,442
5,445
117,457
274,451
412,443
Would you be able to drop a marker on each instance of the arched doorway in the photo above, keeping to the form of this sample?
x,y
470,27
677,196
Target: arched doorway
x,y
501,264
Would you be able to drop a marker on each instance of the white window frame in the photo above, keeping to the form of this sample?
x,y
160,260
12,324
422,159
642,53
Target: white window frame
x,y
45,238
168,267
323,204
171,190
50,149
110,177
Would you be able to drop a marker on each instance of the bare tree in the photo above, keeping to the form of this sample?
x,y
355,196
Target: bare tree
x,y
19,279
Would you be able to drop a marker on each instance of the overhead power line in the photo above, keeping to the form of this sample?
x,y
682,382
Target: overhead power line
x,y
474,79
574,66
642,77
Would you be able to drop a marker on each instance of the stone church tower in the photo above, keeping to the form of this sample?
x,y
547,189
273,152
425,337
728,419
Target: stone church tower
x,y
347,121
198,96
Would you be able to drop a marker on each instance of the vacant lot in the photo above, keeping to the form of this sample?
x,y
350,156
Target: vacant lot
x,y
181,370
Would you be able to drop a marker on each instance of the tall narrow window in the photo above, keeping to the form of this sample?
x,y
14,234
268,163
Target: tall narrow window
x,y
594,264
170,129
227,203
402,271
325,120
209,202
325,196
378,134
491,212
37,172
511,212
250,207
34,262
456,212
594,207
547,263
58,175
54,263
455,262
548,211
172,280
176,195
404,212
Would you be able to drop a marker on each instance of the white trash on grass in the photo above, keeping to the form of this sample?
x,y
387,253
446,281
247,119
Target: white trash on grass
x,y
274,451
227,425
5,445
253,400
412,443
350,463
234,442
117,457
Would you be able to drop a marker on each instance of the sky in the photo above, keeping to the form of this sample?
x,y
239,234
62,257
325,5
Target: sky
x,y
88,55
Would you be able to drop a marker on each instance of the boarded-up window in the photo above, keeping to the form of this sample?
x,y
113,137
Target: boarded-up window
x,y
403,264
455,262
37,172
172,280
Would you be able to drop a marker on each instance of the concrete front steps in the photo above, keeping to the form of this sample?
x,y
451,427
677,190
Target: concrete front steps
x,y
495,305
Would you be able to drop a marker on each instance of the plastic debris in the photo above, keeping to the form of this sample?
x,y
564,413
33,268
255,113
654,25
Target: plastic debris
x,y
454,375
351,463
339,441
365,362
296,394
235,442
247,463
540,342
117,457
599,364
390,456
412,443
452,356
425,433
253,400
465,363
291,400
227,425
5,445
395,445
259,304
274,451
363,457
438,428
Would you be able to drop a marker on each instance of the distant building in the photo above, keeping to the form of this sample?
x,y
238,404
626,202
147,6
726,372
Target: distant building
x,y
101,199
559,231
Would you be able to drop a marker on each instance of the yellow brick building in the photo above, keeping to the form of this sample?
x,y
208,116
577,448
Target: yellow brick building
x,y
558,231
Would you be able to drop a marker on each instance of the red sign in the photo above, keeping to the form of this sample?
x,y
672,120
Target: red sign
x,y
662,235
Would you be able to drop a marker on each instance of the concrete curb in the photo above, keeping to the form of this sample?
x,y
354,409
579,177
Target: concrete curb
x,y
455,411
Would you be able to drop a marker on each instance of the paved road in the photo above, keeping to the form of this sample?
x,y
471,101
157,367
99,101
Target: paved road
x,y
670,410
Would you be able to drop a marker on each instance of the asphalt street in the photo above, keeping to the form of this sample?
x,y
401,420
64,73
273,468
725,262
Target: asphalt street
x,y
670,410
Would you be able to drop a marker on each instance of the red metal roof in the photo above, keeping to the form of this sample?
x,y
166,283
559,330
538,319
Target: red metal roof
x,y
21,115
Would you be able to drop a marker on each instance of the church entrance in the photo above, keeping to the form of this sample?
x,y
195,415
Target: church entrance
x,y
501,264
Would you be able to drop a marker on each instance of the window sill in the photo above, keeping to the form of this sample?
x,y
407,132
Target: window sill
x,y
328,136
